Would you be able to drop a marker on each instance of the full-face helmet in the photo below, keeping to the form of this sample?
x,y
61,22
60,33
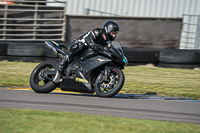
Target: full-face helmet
x,y
111,30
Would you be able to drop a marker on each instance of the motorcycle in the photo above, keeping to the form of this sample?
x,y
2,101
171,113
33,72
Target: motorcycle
x,y
95,70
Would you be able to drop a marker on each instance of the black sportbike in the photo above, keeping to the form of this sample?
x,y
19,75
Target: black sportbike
x,y
96,70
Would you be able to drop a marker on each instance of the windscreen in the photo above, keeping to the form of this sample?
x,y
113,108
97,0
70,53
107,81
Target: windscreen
x,y
116,45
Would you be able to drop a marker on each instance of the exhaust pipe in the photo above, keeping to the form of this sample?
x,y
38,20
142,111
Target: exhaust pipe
x,y
51,47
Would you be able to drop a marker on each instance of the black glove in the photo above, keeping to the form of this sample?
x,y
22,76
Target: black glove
x,y
92,45
95,46
104,48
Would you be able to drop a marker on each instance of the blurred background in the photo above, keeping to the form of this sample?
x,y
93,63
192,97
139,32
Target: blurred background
x,y
147,27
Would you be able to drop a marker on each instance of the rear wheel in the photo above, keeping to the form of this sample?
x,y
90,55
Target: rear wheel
x,y
40,84
112,86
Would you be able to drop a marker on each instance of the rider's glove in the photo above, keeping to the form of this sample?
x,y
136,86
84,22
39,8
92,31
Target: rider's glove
x,y
104,48
92,45
95,46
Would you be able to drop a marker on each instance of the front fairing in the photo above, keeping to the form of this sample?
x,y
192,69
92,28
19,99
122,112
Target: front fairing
x,y
117,53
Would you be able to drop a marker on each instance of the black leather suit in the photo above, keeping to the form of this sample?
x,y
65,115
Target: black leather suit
x,y
90,39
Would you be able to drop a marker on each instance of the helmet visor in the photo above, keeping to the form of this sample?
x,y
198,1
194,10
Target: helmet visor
x,y
114,34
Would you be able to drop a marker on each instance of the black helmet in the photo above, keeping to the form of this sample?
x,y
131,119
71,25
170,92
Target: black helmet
x,y
111,30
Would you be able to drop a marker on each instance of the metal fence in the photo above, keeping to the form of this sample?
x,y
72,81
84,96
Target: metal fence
x,y
31,21
190,36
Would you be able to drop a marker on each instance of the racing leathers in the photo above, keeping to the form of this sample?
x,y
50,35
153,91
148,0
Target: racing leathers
x,y
93,39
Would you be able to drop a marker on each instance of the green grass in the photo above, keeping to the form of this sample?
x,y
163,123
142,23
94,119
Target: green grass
x,y
164,82
38,121
15,74
140,79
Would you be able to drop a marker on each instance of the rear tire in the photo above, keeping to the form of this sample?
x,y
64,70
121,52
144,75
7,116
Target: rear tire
x,y
39,84
111,88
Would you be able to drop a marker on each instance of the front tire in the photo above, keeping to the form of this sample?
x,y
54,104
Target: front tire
x,y
111,87
40,84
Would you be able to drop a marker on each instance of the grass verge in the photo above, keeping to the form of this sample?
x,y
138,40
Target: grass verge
x,y
163,81
140,79
39,121
15,74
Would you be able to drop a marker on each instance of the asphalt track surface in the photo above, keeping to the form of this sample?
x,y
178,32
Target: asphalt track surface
x,y
119,106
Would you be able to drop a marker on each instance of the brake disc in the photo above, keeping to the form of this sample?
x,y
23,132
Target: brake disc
x,y
110,83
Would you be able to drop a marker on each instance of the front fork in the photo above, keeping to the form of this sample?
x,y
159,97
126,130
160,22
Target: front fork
x,y
106,74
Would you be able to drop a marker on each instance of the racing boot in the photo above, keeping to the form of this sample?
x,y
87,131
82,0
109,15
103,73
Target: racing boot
x,y
62,63
60,69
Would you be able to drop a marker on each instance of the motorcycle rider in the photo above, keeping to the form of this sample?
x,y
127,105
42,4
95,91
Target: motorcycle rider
x,y
96,39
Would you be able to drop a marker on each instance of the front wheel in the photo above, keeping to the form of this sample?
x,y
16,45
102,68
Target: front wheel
x,y
112,86
40,84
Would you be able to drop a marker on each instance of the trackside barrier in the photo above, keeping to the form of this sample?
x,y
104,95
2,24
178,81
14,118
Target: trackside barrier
x,y
32,21
35,52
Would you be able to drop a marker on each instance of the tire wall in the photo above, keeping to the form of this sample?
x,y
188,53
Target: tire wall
x,y
25,51
188,59
36,52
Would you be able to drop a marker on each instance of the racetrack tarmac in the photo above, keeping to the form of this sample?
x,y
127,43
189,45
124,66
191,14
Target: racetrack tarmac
x,y
119,106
